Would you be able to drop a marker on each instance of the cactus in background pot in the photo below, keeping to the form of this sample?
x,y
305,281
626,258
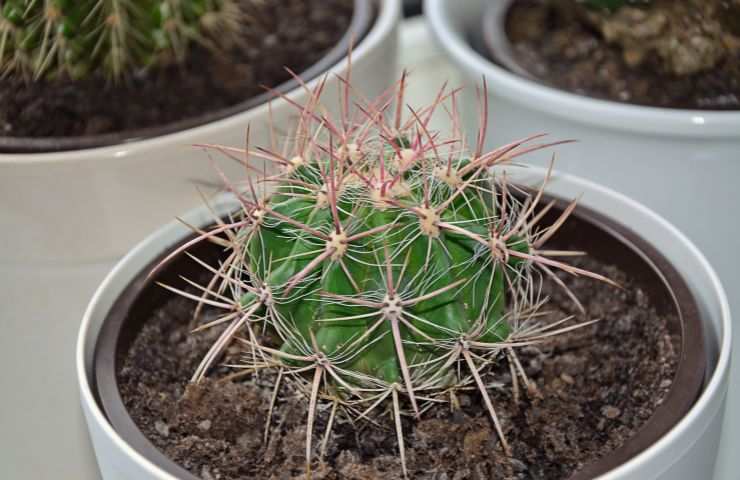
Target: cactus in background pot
x,y
51,38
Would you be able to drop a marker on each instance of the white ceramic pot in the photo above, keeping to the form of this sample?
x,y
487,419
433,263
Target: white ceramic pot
x,y
686,452
86,206
684,164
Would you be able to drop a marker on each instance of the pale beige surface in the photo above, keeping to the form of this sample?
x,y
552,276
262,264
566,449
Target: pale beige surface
x,y
42,432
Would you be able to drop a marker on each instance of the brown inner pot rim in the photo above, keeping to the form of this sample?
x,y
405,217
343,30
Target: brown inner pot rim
x,y
606,239
362,18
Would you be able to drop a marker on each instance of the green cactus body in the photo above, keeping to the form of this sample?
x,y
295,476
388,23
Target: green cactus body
x,y
48,38
403,254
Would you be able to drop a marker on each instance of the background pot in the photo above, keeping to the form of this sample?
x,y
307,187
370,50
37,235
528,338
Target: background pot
x,y
696,432
94,202
684,164
362,19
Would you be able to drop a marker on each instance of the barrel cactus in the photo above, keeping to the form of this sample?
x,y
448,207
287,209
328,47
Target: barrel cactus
x,y
380,266
49,38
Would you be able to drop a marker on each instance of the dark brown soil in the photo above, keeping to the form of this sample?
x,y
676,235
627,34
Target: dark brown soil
x,y
293,33
572,55
598,386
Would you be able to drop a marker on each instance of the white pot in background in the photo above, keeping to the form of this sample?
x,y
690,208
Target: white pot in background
x,y
669,159
686,452
684,164
87,206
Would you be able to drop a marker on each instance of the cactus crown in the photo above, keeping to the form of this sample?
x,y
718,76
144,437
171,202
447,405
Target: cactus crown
x,y
388,267
49,38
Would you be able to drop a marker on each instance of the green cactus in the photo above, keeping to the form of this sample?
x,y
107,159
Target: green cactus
x,y
386,267
49,38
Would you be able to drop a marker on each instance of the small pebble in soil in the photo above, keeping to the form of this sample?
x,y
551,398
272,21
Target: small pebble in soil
x,y
518,465
567,378
205,473
162,428
611,412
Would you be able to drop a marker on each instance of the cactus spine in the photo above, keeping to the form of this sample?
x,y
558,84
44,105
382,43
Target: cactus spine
x,y
388,267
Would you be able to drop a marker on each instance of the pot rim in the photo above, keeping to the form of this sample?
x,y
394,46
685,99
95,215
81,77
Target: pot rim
x,y
578,108
45,149
713,387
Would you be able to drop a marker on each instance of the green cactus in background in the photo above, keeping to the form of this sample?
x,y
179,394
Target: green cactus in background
x,y
49,38
382,267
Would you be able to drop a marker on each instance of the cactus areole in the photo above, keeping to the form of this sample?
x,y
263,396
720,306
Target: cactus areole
x,y
378,265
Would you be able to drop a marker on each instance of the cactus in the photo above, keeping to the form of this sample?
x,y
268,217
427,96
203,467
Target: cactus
x,y
382,267
51,38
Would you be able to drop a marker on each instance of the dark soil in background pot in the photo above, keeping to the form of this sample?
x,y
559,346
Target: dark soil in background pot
x,y
293,33
598,386
571,54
